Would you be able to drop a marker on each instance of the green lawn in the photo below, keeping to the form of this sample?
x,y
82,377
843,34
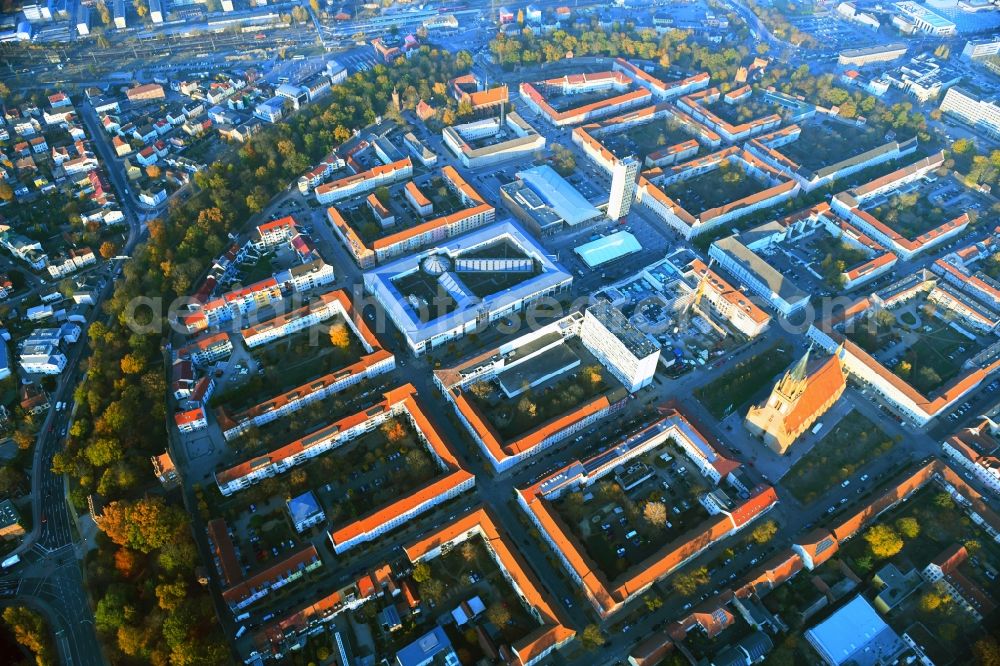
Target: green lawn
x,y
930,367
752,108
259,271
912,214
851,445
513,417
289,362
411,470
646,138
736,387
822,144
942,523
838,256
715,188
875,331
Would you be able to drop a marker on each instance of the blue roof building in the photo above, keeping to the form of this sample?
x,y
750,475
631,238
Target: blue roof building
x,y
305,511
856,634
426,649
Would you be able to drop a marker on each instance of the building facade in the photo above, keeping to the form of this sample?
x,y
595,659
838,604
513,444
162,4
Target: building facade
x,y
797,401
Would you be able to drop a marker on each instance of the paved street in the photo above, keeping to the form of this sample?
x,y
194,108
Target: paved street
x,y
49,577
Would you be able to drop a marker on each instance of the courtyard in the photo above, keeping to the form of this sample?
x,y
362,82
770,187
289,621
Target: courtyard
x,y
751,108
619,528
645,139
290,362
715,188
917,342
823,144
514,416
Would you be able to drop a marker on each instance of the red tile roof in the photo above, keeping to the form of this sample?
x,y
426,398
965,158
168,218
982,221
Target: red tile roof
x,y
553,631
222,548
243,590
823,385
435,488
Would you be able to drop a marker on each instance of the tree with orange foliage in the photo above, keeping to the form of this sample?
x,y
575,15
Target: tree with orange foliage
x,y
144,525
132,364
339,337
108,249
393,431
127,562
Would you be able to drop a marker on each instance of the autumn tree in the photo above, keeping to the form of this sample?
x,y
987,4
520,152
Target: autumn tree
x,y
944,501
145,524
686,584
764,532
655,513
908,527
421,572
6,192
153,171
24,439
170,595
339,336
127,562
298,478
393,431
417,463
12,480
498,614
527,407
931,600
883,541
986,651
31,631
432,590
592,373
132,364
592,638
481,389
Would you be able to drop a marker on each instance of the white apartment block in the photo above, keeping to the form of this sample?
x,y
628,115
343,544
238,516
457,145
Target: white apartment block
x,y
207,350
980,112
984,466
523,141
191,420
364,182
412,510
325,308
274,233
981,48
307,276
44,359
628,352
623,179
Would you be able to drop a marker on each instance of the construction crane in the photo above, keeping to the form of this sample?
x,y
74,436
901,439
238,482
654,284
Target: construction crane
x,y
700,289
695,302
